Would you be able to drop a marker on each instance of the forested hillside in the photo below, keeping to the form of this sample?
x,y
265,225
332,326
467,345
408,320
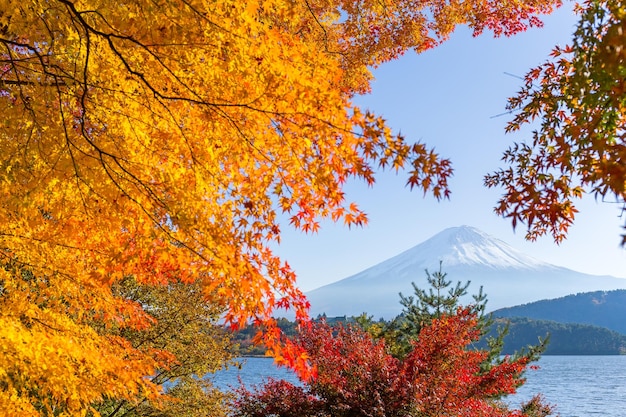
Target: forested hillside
x,y
600,308
565,338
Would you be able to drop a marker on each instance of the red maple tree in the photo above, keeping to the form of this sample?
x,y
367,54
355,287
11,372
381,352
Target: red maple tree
x,y
442,375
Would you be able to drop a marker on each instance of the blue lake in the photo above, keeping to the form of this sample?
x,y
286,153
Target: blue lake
x,y
579,386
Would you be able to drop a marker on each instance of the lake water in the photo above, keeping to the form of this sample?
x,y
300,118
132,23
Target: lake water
x,y
579,386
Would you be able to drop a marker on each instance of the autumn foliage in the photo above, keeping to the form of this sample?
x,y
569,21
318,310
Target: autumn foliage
x,y
576,102
190,342
442,375
160,140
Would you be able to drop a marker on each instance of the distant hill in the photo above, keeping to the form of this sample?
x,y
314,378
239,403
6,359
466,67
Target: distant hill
x,y
565,338
509,277
600,308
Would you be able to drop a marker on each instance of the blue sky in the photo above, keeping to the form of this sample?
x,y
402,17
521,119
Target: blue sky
x,y
447,98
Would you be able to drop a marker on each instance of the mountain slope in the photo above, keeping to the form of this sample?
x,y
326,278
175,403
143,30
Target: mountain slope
x,y
509,277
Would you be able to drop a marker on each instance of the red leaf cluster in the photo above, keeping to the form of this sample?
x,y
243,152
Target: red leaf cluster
x,y
356,376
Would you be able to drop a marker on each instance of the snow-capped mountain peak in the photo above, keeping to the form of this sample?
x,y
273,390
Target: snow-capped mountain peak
x,y
466,245
508,276
462,246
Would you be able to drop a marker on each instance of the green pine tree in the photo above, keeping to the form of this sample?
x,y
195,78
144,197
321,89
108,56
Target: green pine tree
x,y
442,298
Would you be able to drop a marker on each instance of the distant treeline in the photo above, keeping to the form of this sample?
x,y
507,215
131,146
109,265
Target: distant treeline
x,y
243,339
565,338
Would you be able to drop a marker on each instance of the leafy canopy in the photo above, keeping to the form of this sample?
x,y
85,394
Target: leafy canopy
x,y
160,139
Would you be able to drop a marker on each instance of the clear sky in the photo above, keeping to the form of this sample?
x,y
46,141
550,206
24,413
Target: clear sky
x,y
447,98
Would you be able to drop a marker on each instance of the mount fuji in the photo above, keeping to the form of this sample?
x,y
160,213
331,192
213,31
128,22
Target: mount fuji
x,y
508,276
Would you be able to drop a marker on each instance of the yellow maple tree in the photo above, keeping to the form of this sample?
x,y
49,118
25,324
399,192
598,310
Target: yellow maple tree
x,y
160,139
186,335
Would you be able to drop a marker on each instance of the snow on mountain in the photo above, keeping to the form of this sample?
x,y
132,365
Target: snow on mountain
x,y
508,276
467,245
